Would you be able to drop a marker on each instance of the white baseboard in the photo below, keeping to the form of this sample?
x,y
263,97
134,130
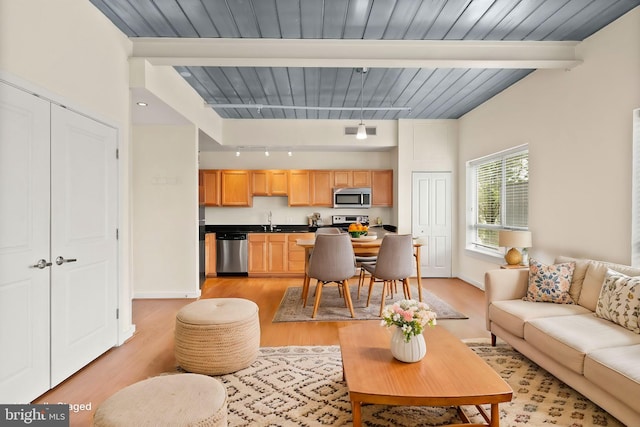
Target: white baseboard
x,y
123,336
166,295
475,283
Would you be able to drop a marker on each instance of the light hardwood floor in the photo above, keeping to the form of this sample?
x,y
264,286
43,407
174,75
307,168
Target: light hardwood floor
x,y
150,351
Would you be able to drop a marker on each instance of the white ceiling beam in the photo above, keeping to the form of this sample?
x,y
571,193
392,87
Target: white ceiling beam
x,y
356,53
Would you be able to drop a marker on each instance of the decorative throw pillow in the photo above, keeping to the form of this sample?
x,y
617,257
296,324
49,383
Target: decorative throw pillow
x,y
619,300
550,283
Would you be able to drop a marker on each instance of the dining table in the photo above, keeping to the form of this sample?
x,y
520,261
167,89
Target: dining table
x,y
363,247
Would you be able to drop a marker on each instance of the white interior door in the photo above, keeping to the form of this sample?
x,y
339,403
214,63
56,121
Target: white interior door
x,y
431,221
83,241
24,239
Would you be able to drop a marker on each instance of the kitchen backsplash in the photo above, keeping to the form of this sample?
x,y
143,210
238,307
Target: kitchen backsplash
x,y
284,214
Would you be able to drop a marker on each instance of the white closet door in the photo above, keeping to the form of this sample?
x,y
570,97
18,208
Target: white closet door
x,y
83,233
431,220
24,239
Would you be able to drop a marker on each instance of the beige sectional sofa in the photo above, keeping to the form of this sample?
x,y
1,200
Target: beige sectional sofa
x,y
596,357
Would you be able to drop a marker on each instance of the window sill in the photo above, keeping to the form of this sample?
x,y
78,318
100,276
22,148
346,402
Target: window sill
x,y
486,254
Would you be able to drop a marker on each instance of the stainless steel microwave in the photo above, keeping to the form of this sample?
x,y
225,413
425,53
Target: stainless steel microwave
x,y
352,197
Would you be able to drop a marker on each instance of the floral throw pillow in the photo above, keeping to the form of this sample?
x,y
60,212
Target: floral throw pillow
x,y
550,283
619,300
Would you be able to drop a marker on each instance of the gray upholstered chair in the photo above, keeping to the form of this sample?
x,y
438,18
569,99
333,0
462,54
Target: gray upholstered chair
x,y
395,262
332,261
305,285
328,230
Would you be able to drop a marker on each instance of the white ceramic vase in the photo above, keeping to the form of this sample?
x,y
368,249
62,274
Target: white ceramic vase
x,y
412,351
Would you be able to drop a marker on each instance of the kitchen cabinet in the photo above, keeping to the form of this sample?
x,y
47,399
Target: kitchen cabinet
x,y
322,188
276,254
269,182
235,188
267,252
295,254
209,187
257,253
382,188
351,178
210,254
299,185
361,178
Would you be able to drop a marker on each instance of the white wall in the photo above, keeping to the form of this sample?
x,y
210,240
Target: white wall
x,y
69,52
306,133
578,125
423,146
165,212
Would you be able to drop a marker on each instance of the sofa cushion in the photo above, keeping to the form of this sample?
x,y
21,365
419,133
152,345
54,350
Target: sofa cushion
x,y
550,283
619,300
578,274
511,315
567,339
617,371
594,278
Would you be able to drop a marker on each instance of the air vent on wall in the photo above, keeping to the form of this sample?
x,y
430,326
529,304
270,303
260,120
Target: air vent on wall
x,y
352,130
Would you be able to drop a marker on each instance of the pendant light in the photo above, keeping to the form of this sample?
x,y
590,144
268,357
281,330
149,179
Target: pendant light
x,y
362,130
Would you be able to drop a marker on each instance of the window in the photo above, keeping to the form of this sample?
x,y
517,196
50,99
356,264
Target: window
x,y
498,197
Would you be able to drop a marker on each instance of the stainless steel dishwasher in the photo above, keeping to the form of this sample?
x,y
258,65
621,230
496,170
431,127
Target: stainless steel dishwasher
x,y
232,253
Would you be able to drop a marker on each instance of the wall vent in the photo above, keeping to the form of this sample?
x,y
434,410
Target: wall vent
x,y
352,130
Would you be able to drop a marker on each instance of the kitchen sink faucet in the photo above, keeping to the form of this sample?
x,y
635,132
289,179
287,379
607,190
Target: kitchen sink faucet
x,y
270,223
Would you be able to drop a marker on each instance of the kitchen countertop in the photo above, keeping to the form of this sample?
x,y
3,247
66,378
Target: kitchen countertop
x,y
285,228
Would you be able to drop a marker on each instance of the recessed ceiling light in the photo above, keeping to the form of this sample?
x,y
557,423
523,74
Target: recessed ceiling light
x,y
141,104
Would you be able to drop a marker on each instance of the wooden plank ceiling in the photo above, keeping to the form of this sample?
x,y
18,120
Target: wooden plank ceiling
x,y
430,93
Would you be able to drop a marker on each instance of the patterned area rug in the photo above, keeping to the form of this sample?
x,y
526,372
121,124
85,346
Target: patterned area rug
x,y
303,386
332,307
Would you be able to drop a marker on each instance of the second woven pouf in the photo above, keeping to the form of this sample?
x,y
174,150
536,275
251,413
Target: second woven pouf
x,y
217,336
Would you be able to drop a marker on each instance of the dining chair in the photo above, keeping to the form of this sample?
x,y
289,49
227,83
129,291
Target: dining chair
x,y
328,230
305,283
332,261
395,262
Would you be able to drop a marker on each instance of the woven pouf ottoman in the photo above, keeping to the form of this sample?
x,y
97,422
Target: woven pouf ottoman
x,y
217,336
167,400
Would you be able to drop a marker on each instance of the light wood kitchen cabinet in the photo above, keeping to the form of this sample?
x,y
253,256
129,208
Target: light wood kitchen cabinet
x,y
351,178
267,253
257,253
235,188
382,188
295,255
209,187
269,182
361,178
322,188
210,254
276,254
299,185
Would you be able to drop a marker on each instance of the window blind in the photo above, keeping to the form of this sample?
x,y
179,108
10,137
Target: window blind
x,y
500,195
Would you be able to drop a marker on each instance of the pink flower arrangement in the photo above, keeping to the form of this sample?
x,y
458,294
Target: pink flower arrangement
x,y
409,315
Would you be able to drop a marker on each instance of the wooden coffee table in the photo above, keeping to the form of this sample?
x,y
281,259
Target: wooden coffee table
x,y
449,375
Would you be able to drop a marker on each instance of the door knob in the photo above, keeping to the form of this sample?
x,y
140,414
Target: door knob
x,y
42,263
60,260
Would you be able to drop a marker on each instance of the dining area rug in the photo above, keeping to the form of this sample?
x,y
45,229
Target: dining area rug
x,y
332,307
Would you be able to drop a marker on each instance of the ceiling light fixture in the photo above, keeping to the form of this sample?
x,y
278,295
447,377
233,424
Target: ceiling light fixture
x,y
266,153
289,153
362,130
141,104
237,153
